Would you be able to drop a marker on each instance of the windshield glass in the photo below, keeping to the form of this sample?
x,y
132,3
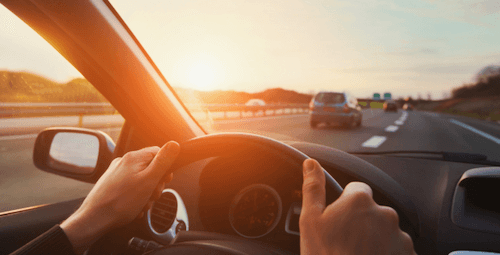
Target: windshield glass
x,y
329,98
440,58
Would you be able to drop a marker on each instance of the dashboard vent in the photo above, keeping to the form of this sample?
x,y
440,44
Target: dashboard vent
x,y
163,212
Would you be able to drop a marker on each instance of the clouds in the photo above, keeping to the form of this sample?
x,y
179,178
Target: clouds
x,y
420,51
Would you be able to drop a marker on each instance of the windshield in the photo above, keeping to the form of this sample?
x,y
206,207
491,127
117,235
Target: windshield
x,y
440,58
329,98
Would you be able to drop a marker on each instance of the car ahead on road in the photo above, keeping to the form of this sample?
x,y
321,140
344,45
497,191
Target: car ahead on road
x,y
446,201
390,106
335,108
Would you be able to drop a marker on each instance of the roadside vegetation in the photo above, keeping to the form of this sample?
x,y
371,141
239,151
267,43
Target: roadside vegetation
x,y
479,100
18,87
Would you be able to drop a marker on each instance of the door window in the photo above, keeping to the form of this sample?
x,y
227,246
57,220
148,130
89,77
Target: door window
x,y
40,89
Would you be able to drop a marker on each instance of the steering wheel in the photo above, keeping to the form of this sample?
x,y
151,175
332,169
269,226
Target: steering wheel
x,y
222,144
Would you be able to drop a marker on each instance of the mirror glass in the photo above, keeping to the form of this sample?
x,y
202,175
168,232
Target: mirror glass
x,y
74,152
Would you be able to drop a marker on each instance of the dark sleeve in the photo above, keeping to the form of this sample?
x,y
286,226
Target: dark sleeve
x,y
54,241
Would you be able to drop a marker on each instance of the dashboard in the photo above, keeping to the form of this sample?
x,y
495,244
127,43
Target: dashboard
x,y
254,196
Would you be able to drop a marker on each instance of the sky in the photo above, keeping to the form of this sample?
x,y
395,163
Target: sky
x,y
403,47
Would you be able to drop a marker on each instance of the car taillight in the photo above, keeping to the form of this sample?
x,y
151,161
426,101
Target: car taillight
x,y
347,109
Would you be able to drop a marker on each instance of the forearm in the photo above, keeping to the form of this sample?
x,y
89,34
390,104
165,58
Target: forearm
x,y
54,241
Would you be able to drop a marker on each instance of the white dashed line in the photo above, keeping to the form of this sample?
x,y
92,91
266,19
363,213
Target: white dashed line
x,y
391,128
401,119
17,137
374,142
31,136
477,131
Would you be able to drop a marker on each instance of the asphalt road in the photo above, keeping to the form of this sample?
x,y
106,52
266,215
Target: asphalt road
x,y
23,185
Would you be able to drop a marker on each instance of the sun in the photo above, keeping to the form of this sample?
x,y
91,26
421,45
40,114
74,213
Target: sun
x,y
201,76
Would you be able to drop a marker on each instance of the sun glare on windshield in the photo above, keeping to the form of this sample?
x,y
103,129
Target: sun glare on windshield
x,y
202,75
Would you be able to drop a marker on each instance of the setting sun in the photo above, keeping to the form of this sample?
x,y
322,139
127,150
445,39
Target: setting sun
x,y
201,76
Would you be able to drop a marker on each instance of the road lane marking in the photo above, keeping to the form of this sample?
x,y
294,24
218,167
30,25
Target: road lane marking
x,y
17,137
30,136
401,119
391,128
374,142
477,131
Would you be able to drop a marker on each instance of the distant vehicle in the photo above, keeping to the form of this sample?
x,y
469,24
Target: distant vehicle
x,y
390,105
334,107
408,107
255,102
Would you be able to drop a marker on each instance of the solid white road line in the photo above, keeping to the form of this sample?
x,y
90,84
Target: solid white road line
x,y
17,137
374,142
477,131
391,128
399,122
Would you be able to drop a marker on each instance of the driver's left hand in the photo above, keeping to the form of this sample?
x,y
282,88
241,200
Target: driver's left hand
x,y
126,190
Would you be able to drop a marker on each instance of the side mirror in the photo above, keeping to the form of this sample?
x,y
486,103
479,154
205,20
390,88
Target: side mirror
x,y
77,153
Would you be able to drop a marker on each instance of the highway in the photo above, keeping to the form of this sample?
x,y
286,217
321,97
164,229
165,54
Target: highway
x,y
23,185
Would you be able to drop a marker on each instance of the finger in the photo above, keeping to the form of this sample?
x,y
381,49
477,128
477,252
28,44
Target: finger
x,y
158,191
163,160
353,188
141,214
358,194
313,188
143,156
148,206
168,178
402,244
147,154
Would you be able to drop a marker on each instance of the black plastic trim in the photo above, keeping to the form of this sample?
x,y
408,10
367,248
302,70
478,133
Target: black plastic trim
x,y
470,213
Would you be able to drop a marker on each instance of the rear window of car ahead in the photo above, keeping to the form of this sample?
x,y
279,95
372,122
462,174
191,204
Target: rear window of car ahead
x,y
330,98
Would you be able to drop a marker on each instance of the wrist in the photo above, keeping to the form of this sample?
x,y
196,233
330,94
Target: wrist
x,y
82,230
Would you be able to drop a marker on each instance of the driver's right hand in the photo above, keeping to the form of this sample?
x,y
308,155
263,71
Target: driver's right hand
x,y
353,224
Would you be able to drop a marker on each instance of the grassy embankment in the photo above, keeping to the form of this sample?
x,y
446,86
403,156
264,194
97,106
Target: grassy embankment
x,y
480,108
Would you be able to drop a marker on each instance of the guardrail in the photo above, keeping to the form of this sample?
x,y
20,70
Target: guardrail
x,y
16,110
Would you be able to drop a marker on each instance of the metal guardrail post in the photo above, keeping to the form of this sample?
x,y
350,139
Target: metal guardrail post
x,y
80,120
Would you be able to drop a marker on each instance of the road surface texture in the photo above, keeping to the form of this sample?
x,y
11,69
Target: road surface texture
x,y
23,185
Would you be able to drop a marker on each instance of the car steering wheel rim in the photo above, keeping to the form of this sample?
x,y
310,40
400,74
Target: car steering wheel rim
x,y
214,145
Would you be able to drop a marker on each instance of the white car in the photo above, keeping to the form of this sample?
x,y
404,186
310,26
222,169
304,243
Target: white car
x,y
255,102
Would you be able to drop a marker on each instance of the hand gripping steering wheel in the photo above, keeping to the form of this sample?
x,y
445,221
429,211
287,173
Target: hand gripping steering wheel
x,y
222,144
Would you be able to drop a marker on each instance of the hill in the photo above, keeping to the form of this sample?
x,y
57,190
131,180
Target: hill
x,y
29,87
270,96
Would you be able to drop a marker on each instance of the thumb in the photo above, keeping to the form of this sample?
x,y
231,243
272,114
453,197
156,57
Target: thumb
x,y
313,188
160,165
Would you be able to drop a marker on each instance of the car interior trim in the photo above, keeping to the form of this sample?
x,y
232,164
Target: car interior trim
x,y
180,218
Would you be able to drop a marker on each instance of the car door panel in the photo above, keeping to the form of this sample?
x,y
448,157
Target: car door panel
x,y
21,226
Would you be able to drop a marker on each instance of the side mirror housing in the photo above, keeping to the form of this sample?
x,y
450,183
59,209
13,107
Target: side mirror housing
x,y
77,153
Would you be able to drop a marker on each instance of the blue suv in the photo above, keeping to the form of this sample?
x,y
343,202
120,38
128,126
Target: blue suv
x,y
334,107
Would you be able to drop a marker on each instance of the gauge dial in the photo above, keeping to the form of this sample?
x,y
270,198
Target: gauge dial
x,y
255,211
